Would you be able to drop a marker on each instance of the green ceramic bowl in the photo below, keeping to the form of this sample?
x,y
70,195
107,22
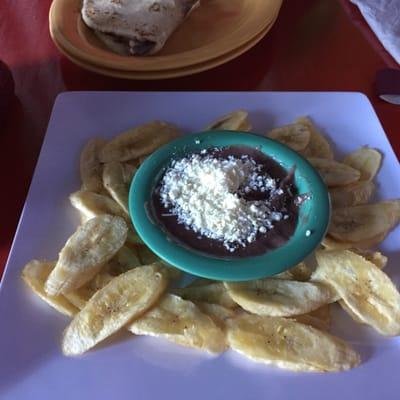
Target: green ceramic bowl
x,y
314,214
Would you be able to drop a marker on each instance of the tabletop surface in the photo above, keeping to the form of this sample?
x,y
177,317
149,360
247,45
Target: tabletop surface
x,y
319,45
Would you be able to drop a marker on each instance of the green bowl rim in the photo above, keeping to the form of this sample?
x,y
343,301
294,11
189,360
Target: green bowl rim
x,y
246,268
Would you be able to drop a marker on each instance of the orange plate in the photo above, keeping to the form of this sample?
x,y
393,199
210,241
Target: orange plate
x,y
172,73
216,28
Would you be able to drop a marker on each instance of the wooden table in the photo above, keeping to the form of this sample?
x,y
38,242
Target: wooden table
x,y
315,45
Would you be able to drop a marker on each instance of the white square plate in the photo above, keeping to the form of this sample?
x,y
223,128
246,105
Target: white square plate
x,y
31,363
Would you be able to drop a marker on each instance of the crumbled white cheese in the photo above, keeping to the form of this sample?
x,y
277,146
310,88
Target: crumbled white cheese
x,y
205,194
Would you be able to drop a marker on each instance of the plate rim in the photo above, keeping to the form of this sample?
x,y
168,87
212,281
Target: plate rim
x,y
172,73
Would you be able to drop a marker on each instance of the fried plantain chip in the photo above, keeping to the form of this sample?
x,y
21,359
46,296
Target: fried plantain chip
x,y
350,312
300,272
79,297
127,297
376,257
214,293
102,279
129,171
334,244
125,259
364,222
114,182
319,318
139,141
279,297
85,252
365,160
235,121
334,173
330,243
91,204
366,290
90,166
182,322
351,195
289,344
35,274
296,136
219,314
318,146
285,275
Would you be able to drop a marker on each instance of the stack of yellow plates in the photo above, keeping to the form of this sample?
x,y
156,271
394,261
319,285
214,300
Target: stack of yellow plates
x,y
215,33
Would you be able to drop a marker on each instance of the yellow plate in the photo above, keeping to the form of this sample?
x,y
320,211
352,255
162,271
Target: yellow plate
x,y
167,74
216,28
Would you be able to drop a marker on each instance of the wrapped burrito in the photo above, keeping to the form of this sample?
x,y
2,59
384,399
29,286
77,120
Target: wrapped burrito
x,y
135,27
